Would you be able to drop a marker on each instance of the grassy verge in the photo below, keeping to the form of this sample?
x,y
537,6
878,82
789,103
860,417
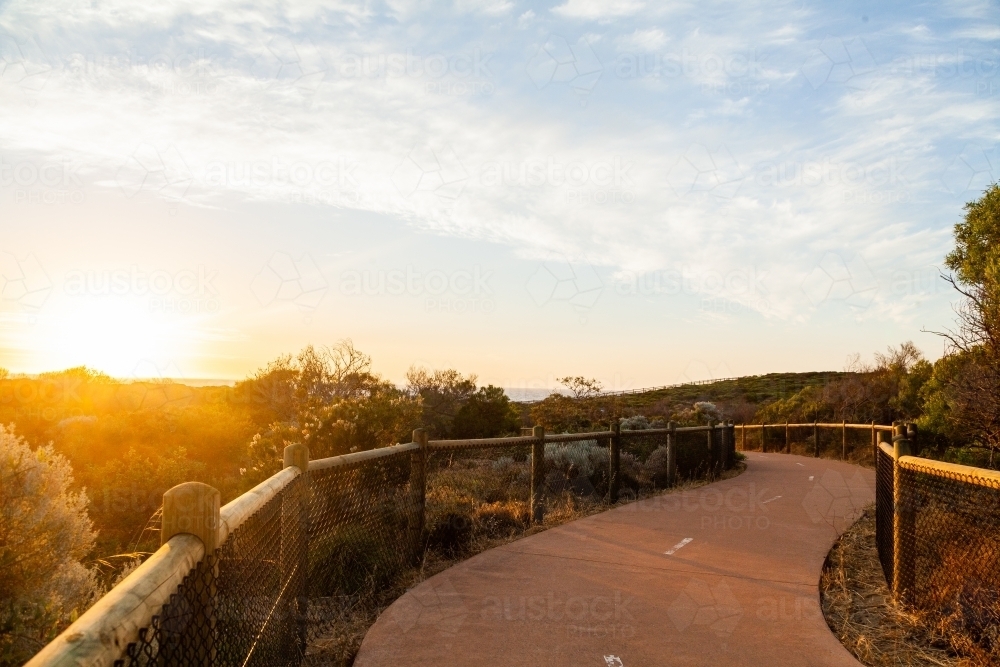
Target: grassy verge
x,y
860,611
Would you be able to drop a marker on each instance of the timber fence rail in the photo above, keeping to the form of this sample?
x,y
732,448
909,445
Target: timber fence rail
x,y
848,442
259,580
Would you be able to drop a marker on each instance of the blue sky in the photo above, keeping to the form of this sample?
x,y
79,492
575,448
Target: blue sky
x,y
641,192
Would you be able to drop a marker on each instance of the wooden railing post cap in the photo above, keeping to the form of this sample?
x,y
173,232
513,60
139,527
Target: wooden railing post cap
x,y
420,436
192,508
900,443
538,432
616,426
296,455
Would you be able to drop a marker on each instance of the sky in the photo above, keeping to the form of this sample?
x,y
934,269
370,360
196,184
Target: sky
x,y
641,192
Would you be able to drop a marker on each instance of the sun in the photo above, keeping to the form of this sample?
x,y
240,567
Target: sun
x,y
122,337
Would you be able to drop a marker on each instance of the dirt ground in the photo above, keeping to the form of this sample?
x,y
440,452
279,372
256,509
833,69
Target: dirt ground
x,y
859,608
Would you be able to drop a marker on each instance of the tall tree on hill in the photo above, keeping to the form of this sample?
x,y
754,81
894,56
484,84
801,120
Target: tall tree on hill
x,y
965,391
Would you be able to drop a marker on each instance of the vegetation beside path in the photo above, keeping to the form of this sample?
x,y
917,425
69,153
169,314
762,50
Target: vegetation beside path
x,y
860,611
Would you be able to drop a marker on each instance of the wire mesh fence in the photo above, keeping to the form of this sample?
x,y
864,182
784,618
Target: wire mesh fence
x,y
644,463
239,606
577,473
310,566
847,442
359,516
475,496
328,547
948,542
885,511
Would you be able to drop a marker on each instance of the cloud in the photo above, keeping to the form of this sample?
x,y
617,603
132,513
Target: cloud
x,y
647,40
755,141
595,9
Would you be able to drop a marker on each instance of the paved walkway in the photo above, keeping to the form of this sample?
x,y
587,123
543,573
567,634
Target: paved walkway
x,y
726,574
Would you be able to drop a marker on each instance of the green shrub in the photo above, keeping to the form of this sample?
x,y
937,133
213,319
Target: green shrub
x,y
44,534
450,534
352,560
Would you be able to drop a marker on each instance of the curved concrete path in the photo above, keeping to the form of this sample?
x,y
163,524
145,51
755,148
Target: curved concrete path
x,y
726,574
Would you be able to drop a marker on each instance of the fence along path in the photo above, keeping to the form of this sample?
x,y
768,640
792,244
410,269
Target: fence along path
x,y
706,578
256,581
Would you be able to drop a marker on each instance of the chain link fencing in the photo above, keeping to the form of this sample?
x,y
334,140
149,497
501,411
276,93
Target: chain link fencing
x,y
315,560
360,517
948,551
303,576
645,465
885,510
238,606
475,496
845,441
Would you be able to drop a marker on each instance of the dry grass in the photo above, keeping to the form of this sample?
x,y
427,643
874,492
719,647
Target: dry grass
x,y
352,617
860,611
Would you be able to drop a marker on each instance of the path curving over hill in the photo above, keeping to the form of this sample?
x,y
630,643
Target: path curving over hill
x,y
726,574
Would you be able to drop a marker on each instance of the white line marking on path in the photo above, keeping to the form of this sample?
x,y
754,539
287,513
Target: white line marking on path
x,y
613,661
811,477
801,464
680,545
764,502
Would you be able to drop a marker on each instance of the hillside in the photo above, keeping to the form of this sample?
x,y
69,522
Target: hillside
x,y
756,389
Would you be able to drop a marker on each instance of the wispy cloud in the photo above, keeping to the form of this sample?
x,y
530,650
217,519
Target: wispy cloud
x,y
722,142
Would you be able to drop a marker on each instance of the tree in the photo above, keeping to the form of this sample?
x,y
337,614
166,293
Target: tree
x,y
581,387
487,414
442,394
976,257
967,391
44,534
884,390
329,399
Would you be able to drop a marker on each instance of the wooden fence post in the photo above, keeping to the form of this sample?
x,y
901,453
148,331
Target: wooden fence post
x,y
843,441
614,468
743,437
816,437
671,453
874,444
713,461
538,475
788,442
418,495
903,520
730,443
294,558
722,445
193,507
763,438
